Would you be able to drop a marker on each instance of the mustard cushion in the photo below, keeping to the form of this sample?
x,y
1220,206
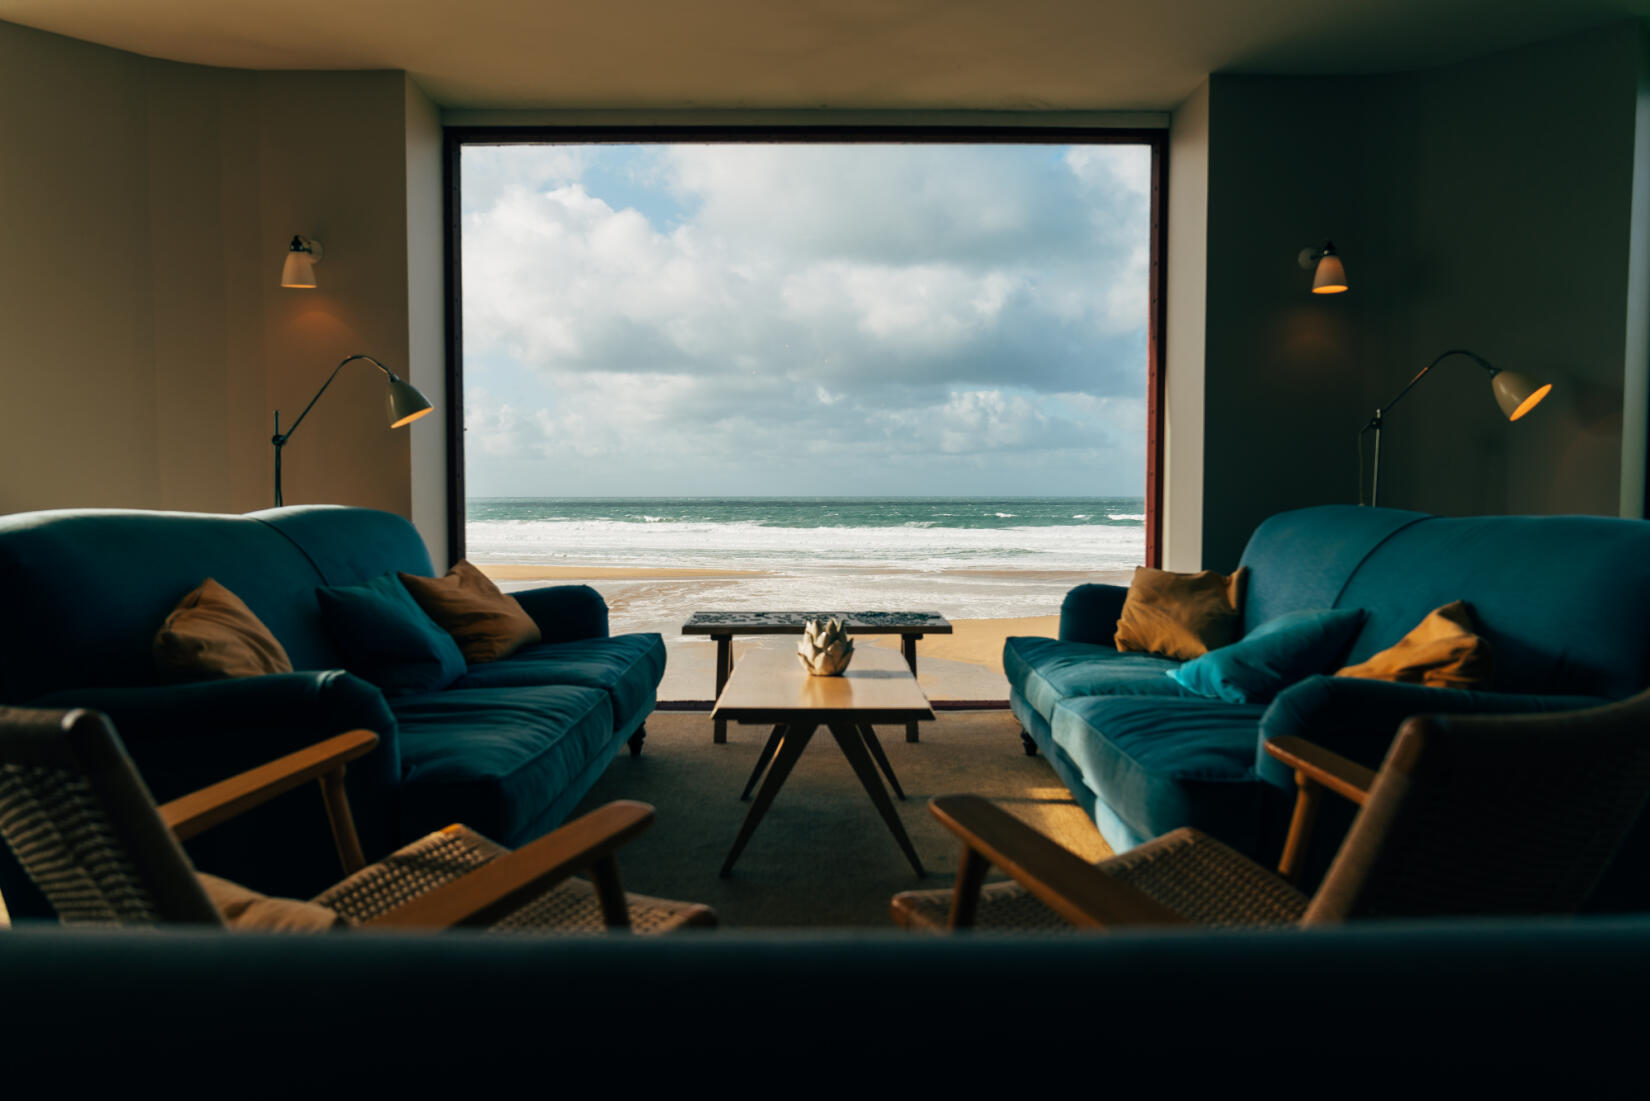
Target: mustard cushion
x,y
486,624
1181,615
1443,651
243,908
213,634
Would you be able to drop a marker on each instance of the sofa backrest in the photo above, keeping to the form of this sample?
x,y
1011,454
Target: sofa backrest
x,y
89,587
1301,560
1562,599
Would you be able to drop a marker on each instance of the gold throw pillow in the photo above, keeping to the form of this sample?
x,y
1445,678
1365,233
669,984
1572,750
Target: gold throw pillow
x,y
1443,651
1181,615
486,624
213,634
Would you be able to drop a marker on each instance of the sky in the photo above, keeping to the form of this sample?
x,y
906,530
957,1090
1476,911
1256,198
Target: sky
x,y
810,320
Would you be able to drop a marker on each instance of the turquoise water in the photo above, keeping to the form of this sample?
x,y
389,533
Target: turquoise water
x,y
911,533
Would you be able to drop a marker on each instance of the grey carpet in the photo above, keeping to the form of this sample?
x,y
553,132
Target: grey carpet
x,y
822,856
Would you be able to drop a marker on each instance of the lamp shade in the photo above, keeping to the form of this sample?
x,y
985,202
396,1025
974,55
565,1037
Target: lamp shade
x,y
1331,275
298,271
1517,394
405,403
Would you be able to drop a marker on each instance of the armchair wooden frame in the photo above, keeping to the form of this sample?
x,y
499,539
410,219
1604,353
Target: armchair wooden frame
x,y
480,898
1469,814
1070,885
85,744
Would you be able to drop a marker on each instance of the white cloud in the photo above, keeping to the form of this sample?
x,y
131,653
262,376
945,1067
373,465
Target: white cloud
x,y
868,301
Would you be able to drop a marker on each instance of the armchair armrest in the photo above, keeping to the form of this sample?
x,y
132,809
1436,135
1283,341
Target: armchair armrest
x,y
1341,776
1067,884
1089,614
184,737
565,613
494,889
199,811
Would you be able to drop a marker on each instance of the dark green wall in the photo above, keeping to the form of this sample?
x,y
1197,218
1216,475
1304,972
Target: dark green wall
x,y
1484,205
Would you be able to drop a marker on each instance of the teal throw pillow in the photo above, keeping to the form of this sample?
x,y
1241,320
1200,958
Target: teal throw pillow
x,y
387,638
1273,656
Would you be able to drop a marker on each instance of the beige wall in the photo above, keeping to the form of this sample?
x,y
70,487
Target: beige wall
x,y
148,340
426,313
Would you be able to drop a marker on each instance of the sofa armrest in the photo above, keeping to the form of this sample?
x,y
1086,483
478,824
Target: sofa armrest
x,y
566,613
1358,718
1089,614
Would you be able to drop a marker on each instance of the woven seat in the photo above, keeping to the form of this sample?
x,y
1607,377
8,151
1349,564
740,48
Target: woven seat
x,y
1187,871
1469,814
84,827
446,855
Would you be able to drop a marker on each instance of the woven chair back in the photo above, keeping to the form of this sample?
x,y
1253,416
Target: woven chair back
x,y
84,827
1493,814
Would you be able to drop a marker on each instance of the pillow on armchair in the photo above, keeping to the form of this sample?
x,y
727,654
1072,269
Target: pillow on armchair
x,y
1273,656
387,638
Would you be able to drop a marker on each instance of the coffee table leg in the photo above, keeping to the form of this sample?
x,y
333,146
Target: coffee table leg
x,y
724,668
795,740
875,747
853,747
908,646
762,762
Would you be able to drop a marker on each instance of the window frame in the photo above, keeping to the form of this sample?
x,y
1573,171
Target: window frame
x,y
456,137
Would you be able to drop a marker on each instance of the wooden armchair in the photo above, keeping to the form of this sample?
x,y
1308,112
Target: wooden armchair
x,y
84,826
1469,814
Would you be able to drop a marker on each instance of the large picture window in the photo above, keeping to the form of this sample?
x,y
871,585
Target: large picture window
x,y
808,374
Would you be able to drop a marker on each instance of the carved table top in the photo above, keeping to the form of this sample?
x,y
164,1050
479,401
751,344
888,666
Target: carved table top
x,y
791,623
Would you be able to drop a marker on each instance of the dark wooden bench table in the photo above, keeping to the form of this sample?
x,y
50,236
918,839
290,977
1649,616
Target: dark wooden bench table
x,y
722,626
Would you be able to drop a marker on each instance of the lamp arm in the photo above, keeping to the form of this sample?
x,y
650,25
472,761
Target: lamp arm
x,y
281,437
1374,422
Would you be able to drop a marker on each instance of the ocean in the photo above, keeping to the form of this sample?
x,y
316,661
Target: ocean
x,y
966,557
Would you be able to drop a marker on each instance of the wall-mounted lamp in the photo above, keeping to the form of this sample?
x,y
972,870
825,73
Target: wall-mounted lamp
x,y
301,257
1516,394
402,402
1330,277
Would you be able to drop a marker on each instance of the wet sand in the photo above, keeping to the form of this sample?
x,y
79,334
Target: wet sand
x,y
965,665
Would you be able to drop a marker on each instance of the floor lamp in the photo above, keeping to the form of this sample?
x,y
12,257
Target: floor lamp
x,y
404,402
1514,393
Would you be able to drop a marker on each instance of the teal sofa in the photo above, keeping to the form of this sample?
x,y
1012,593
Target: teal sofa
x,y
1564,601
509,748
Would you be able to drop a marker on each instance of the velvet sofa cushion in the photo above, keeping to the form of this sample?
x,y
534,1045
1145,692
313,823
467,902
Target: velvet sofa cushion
x,y
627,667
486,623
387,638
1180,615
1045,671
211,634
1161,762
493,758
1272,656
1443,651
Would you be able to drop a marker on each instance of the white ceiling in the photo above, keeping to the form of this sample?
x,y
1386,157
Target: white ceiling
x,y
964,54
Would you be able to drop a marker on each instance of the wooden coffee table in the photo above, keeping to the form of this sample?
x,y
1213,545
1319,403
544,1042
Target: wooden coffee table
x,y
771,687
722,626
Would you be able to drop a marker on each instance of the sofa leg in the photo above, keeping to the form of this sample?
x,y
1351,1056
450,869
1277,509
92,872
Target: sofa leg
x,y
1030,746
636,739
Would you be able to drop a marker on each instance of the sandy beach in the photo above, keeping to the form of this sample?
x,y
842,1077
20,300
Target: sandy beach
x,y
965,665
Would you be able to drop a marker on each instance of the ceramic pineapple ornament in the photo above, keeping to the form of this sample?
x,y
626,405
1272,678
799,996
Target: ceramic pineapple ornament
x,y
825,649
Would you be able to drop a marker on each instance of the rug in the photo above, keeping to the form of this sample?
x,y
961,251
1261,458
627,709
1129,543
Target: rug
x,y
822,856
